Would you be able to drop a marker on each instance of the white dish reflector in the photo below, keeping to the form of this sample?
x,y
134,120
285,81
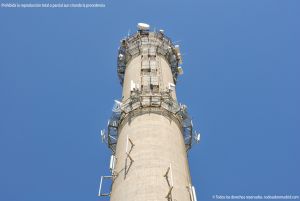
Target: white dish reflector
x,y
143,26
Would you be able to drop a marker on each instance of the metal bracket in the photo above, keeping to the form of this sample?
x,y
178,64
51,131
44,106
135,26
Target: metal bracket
x,y
100,187
112,133
127,152
170,182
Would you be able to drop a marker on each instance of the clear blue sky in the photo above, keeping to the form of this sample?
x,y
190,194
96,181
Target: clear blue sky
x,y
241,83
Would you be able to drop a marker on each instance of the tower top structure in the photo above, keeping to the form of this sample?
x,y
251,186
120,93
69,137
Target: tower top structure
x,y
143,42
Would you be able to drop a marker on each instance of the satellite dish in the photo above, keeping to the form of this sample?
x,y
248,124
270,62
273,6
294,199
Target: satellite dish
x,y
121,56
118,102
180,70
143,26
117,107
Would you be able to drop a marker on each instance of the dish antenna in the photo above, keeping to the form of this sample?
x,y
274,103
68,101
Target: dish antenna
x,y
117,106
143,26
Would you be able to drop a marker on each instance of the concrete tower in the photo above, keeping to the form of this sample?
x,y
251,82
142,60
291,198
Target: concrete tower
x,y
149,132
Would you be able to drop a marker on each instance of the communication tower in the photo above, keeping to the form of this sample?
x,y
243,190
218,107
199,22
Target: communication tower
x,y
149,132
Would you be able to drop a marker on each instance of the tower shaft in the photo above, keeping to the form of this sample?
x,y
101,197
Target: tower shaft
x,y
149,132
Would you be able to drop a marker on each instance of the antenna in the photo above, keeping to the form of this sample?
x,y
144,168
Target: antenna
x,y
143,26
103,135
112,163
128,33
197,137
194,193
121,56
176,42
171,87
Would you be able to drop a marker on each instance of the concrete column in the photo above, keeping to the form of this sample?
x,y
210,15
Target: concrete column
x,y
158,143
